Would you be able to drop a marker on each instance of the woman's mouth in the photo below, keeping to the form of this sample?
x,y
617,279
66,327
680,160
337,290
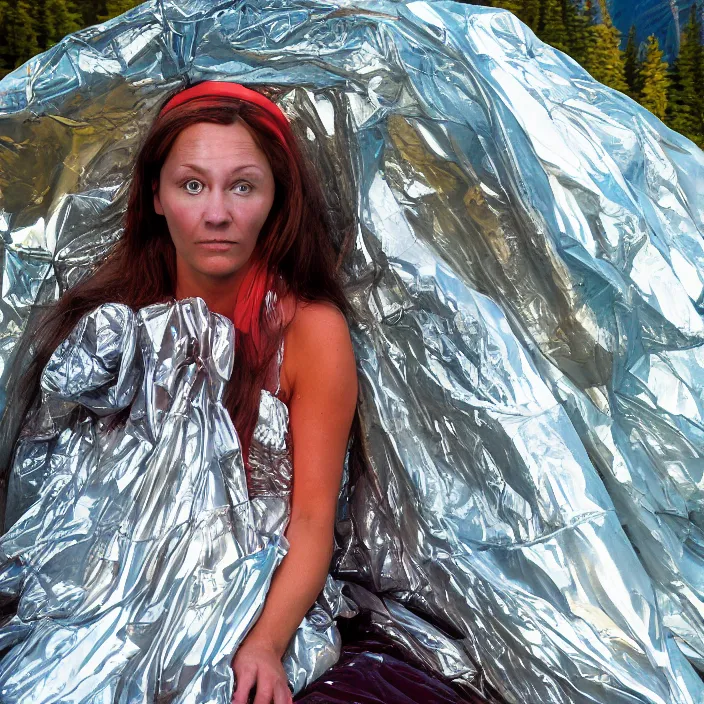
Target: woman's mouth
x,y
216,245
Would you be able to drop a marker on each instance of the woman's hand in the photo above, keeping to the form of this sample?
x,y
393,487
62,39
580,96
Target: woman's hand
x,y
257,663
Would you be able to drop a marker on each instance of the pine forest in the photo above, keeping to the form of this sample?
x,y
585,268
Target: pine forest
x,y
30,26
584,30
581,28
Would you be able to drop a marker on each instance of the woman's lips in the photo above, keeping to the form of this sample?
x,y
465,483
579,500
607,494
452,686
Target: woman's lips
x,y
219,246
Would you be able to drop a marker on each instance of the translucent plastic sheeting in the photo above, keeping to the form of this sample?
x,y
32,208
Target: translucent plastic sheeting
x,y
528,281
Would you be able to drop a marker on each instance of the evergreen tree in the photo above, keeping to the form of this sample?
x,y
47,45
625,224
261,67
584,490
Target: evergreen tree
x,y
686,108
654,80
56,19
531,13
604,59
113,8
4,64
18,38
552,24
528,11
89,11
515,6
631,65
578,30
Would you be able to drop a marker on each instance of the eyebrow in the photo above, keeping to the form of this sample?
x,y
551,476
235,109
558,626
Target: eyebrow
x,y
205,172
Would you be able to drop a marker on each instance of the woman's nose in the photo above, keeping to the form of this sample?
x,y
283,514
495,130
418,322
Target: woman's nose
x,y
216,210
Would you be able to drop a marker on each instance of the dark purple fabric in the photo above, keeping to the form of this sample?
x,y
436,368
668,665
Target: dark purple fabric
x,y
368,674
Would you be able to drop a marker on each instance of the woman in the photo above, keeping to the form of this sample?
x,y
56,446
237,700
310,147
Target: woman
x,y
240,207
222,207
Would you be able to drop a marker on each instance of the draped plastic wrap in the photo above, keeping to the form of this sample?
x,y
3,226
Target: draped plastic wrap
x,y
528,281
138,562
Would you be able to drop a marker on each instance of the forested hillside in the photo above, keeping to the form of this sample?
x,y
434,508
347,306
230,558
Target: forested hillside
x,y
584,30
663,18
30,26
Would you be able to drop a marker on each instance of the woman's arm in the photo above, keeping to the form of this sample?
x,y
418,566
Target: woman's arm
x,y
323,377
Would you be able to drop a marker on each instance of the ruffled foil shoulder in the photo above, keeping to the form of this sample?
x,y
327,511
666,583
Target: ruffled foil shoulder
x,y
138,566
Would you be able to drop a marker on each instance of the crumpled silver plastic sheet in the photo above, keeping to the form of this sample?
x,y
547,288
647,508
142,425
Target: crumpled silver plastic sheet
x,y
139,563
139,551
528,282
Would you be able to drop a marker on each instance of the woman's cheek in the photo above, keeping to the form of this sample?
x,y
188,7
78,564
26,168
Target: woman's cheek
x,y
185,217
256,216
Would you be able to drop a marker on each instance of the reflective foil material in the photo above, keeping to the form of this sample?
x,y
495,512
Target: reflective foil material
x,y
139,566
527,277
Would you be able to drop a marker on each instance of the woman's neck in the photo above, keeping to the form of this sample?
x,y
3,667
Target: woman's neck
x,y
220,295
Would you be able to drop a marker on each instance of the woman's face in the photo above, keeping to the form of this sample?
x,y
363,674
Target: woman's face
x,y
215,190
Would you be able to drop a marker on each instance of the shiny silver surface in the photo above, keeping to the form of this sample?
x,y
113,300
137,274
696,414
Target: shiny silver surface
x,y
528,282
139,565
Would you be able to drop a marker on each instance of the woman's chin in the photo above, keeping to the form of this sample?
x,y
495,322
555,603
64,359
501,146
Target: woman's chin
x,y
219,271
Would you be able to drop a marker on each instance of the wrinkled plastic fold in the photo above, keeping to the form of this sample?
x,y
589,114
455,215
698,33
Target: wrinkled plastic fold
x,y
138,556
528,282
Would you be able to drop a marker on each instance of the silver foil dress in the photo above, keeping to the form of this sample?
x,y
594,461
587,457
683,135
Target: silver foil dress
x,y
527,274
139,554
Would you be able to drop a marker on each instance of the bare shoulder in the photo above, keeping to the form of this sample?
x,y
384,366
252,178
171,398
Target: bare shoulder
x,y
310,321
317,341
319,317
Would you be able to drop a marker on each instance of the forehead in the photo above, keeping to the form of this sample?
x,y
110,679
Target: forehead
x,y
206,141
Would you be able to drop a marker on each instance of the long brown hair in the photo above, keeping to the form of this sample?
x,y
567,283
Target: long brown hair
x,y
296,243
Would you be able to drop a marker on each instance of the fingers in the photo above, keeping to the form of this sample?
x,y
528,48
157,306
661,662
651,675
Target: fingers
x,y
246,677
264,693
282,694
271,686
278,693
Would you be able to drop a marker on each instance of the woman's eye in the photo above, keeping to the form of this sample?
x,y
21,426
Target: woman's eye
x,y
198,186
194,186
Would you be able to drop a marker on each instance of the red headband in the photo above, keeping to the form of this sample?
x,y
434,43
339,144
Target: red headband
x,y
210,89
